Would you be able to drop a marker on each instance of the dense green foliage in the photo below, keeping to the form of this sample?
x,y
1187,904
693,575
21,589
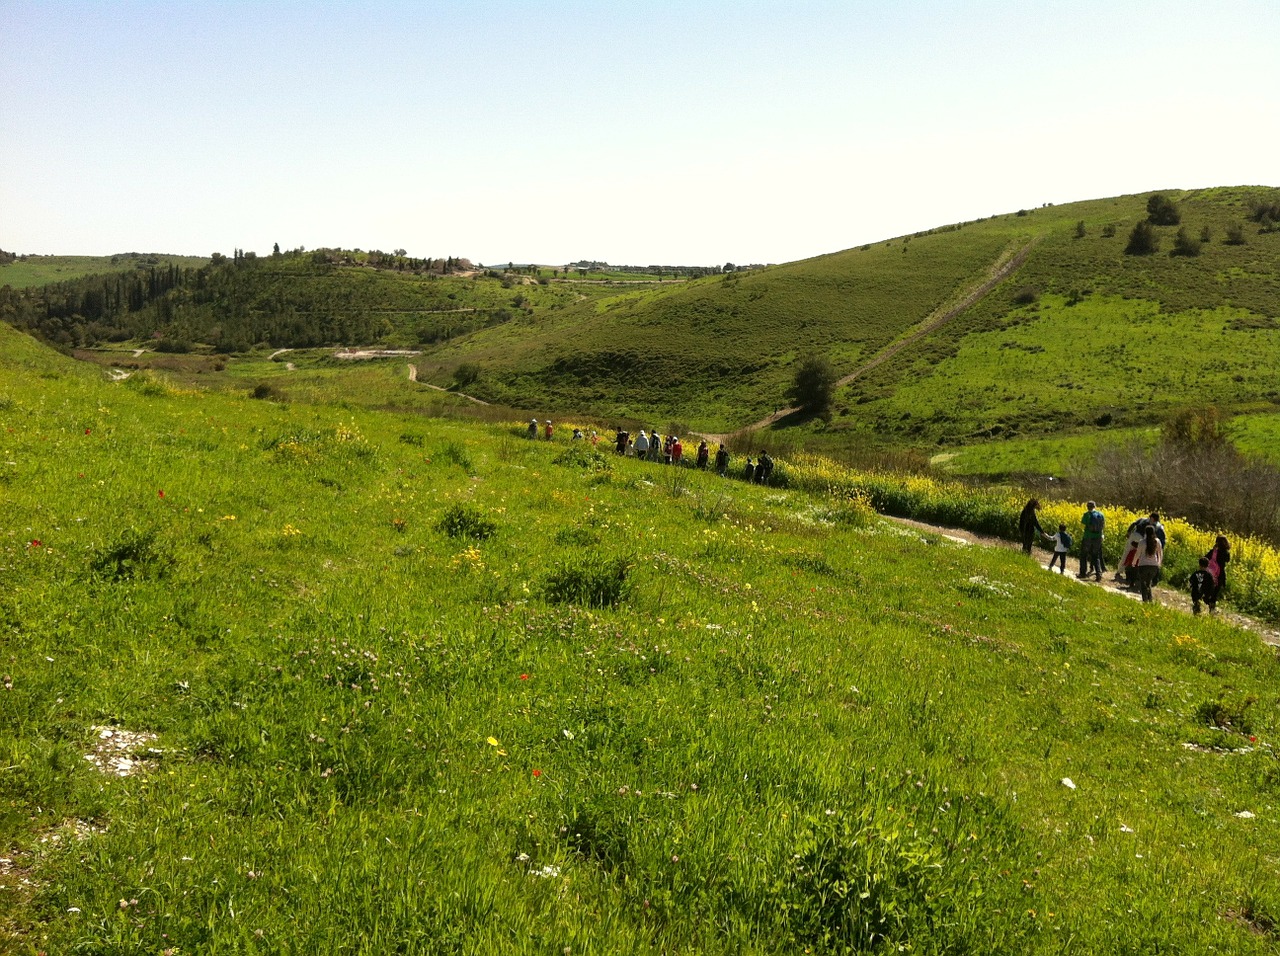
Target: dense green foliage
x,y
647,710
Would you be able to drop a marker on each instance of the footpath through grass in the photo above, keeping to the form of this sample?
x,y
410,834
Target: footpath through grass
x,y
422,686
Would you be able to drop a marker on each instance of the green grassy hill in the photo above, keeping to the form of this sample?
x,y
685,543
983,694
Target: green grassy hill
x,y
35,271
1076,337
1080,335
423,686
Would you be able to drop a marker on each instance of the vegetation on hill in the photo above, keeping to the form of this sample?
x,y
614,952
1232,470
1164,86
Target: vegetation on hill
x,y
419,685
1081,337
30,271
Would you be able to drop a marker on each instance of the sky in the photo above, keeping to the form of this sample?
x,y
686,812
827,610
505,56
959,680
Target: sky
x,y
633,132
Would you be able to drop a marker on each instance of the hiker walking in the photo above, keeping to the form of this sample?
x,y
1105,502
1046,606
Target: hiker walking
x,y
1219,555
704,455
1061,545
548,429
1094,523
1150,557
722,460
764,468
1202,585
642,446
533,428
1029,525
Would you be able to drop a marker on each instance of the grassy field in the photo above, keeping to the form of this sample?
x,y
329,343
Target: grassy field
x,y
42,270
425,686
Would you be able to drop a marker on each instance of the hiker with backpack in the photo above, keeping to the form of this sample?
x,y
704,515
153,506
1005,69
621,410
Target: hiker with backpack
x,y
1094,523
1061,545
722,460
1218,557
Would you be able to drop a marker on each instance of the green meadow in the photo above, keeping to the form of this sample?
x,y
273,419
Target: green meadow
x,y
420,685
34,271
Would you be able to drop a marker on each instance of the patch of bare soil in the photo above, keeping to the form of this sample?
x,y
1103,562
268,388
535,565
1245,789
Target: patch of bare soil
x,y
122,752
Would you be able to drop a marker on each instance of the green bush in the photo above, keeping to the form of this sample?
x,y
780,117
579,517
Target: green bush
x,y
594,582
466,521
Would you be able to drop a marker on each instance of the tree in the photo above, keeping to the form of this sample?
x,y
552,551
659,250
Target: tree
x,y
1235,235
814,387
1184,244
1142,241
1080,232
1162,212
275,249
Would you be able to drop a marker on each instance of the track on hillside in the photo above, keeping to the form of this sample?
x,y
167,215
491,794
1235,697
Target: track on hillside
x,y
1006,265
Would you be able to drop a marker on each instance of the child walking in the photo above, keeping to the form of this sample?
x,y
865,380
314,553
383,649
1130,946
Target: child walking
x,y
1202,585
1061,545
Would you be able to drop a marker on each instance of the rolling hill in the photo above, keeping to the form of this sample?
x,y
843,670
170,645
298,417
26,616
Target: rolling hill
x,y
315,678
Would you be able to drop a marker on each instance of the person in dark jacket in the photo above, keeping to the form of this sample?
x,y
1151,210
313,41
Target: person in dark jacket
x,y
1029,525
722,460
1201,585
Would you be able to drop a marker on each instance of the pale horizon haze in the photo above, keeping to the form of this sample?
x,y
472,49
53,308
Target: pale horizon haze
x,y
634,133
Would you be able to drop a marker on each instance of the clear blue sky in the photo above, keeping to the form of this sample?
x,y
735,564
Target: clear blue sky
x,y
637,132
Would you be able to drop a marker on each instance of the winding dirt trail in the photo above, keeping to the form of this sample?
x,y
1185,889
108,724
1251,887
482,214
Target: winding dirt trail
x,y
1004,266
1165,596
413,377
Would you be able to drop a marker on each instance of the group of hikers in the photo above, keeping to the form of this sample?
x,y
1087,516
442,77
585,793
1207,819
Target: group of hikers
x,y
667,450
1143,557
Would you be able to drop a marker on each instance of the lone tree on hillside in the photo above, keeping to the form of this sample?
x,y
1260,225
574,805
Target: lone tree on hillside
x,y
1142,241
814,387
1184,244
1162,212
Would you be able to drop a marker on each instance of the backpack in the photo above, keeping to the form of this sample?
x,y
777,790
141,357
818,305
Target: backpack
x,y
1066,538
1095,521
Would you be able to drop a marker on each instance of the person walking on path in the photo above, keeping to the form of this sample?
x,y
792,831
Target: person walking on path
x,y
1061,545
704,455
1150,557
549,429
1219,556
1091,542
1201,585
1029,525
722,460
642,446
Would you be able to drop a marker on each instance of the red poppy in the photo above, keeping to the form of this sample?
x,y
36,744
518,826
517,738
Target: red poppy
x,y
37,543
161,492
537,772
524,676
88,430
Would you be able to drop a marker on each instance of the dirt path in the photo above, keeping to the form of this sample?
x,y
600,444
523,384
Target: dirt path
x,y
1008,263
413,377
1167,596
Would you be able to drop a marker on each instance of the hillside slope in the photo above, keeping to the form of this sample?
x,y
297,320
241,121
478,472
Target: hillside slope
x,y
386,684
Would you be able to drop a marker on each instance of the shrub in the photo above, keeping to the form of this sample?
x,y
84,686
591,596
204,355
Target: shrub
x,y
135,554
1142,240
1234,235
1109,231
1184,244
593,582
813,387
581,454
466,521
1026,295
267,391
1162,212
1227,714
